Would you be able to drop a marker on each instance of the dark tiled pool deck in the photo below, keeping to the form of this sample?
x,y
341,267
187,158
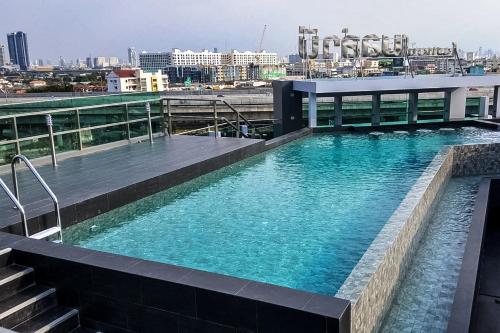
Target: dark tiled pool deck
x,y
90,184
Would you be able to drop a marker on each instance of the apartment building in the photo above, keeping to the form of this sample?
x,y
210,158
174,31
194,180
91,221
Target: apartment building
x,y
246,58
135,80
155,61
191,58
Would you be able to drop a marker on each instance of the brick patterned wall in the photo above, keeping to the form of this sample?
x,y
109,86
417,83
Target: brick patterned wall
x,y
477,159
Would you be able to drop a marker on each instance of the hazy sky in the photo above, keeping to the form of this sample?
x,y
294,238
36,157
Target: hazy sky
x,y
77,28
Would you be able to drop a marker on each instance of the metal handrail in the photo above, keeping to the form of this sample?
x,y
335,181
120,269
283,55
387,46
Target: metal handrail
x,y
78,111
41,181
213,102
16,203
72,109
235,127
245,120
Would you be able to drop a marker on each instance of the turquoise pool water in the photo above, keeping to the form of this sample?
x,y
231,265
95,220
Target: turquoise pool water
x,y
424,300
299,216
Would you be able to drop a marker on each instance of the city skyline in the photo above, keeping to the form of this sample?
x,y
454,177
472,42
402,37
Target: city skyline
x,y
97,28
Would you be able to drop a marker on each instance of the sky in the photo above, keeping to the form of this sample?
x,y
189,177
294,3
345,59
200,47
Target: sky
x,y
79,28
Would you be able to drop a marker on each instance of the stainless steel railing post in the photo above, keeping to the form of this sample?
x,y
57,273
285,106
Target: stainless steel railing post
x,y
79,126
17,204
216,125
16,135
238,124
128,122
150,126
169,114
44,185
48,119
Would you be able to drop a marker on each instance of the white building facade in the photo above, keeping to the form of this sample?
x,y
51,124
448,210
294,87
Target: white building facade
x,y
137,80
246,58
191,58
155,61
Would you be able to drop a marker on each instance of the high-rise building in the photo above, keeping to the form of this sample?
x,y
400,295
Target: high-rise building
x,y
100,62
154,61
113,61
2,55
18,49
89,63
133,58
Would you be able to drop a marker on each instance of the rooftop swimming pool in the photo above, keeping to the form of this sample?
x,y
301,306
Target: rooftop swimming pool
x,y
299,216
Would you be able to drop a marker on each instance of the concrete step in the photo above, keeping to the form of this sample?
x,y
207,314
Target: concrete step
x,y
5,257
80,329
14,278
58,319
26,304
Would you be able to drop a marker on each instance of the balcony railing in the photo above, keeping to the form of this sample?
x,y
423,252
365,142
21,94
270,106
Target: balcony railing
x,y
27,133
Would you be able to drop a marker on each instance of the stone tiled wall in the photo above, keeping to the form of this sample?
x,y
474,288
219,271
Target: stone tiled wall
x,y
477,159
374,280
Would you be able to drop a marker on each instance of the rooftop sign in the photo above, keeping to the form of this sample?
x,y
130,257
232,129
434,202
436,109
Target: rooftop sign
x,y
369,46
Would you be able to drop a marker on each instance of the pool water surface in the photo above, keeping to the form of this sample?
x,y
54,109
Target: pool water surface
x,y
299,216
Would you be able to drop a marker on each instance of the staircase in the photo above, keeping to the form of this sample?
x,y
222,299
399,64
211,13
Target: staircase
x,y
26,306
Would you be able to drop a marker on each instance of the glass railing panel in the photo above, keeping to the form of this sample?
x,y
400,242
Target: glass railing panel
x,y
35,148
32,126
7,152
99,136
102,116
137,111
66,142
64,121
138,129
7,129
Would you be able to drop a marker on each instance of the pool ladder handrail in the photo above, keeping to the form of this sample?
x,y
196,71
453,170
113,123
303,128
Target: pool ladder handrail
x,y
47,232
16,203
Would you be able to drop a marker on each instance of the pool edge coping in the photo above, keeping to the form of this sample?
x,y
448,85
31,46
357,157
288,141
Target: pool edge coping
x,y
466,289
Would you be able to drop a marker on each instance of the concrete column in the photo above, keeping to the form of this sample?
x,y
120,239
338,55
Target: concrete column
x,y
287,108
484,106
455,104
313,111
412,108
338,111
447,101
376,109
496,102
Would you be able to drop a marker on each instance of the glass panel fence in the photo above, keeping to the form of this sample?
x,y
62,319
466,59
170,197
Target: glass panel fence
x,y
99,136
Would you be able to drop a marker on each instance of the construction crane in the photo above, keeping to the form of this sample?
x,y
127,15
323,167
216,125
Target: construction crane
x,y
259,50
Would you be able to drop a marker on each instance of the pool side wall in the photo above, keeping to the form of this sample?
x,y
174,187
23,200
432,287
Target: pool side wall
x,y
465,293
372,284
122,294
